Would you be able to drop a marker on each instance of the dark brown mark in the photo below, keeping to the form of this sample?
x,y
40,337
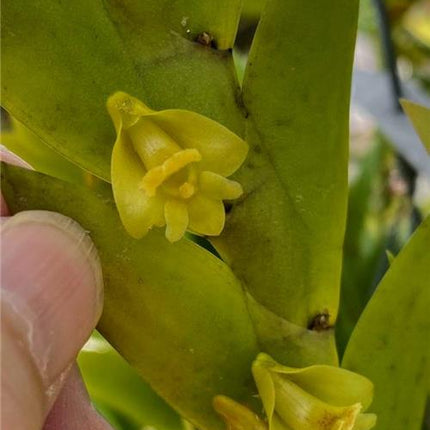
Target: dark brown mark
x,y
228,207
206,39
320,322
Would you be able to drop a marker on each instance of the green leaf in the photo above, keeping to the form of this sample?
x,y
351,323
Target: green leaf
x,y
219,19
24,143
174,312
366,235
112,382
252,10
390,344
420,118
56,80
285,239
390,256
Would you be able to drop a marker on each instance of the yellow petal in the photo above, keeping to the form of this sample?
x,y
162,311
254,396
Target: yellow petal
x,y
365,422
266,388
138,212
176,215
125,110
222,151
218,187
302,411
207,216
237,416
334,385
151,143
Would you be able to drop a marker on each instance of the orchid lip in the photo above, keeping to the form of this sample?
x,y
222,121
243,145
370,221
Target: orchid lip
x,y
156,176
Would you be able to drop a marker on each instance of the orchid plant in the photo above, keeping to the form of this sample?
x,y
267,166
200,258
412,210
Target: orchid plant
x,y
132,115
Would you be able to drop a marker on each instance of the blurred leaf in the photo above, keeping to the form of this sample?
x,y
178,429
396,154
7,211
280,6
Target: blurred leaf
x,y
112,382
174,312
390,344
373,95
420,118
417,22
284,240
115,419
390,256
397,8
367,21
60,74
363,243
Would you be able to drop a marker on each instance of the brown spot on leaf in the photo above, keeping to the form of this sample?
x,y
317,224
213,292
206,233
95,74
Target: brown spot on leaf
x,y
206,39
320,322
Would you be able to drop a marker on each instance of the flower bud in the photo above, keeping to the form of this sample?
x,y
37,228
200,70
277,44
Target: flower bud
x,y
170,168
318,397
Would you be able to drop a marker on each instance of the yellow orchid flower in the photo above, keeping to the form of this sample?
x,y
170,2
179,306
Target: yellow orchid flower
x,y
318,397
170,168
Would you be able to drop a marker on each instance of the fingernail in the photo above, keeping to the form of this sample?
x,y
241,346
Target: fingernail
x,y
52,288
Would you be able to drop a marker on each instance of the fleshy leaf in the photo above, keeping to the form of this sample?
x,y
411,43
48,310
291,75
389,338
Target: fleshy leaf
x,y
174,312
24,143
420,118
86,50
285,238
390,344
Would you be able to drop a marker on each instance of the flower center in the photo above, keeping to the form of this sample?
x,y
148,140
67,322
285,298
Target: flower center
x,y
176,175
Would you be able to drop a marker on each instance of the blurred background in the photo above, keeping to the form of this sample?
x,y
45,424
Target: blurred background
x,y
389,177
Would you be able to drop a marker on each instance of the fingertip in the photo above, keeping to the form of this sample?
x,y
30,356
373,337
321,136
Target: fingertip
x,y
52,294
73,409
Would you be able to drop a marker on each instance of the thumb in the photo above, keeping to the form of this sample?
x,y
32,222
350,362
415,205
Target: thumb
x,y
51,299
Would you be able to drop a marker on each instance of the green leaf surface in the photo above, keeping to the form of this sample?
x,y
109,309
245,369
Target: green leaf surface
x,y
252,10
112,382
24,143
56,77
284,240
420,118
391,345
174,312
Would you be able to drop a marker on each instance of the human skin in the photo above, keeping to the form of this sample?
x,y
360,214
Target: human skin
x,y
51,300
